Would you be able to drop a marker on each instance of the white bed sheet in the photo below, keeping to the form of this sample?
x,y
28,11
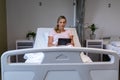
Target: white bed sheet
x,y
114,48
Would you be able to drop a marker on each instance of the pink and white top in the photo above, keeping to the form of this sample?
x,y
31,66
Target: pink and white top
x,y
56,36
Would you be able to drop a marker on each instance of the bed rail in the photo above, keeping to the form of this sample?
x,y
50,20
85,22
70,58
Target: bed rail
x,y
57,67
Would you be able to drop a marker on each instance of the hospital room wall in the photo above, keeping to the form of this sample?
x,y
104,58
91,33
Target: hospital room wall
x,y
3,30
28,15
105,14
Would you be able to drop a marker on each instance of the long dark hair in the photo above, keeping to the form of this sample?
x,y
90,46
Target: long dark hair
x,y
57,26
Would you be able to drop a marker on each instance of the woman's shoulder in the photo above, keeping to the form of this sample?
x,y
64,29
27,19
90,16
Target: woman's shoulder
x,y
68,30
52,32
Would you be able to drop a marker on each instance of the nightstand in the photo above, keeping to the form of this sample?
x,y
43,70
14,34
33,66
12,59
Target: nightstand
x,y
22,44
95,44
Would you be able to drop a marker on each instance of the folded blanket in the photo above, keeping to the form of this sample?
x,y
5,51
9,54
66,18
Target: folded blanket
x,y
34,57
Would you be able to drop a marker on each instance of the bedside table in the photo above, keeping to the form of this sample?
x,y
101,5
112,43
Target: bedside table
x,y
95,44
22,44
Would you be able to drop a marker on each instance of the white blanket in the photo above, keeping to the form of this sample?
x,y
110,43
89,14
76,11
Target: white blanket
x,y
34,57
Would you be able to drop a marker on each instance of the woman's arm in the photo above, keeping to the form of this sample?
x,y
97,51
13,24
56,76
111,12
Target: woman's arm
x,y
50,41
72,41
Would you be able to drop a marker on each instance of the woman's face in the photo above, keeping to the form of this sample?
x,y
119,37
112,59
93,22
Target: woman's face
x,y
62,23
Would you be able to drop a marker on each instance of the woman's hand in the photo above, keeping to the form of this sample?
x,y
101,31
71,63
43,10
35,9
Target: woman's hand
x,y
72,42
50,41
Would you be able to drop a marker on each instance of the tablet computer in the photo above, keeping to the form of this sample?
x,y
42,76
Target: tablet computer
x,y
64,41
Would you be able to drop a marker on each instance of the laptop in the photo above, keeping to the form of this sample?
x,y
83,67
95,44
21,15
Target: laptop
x,y
64,41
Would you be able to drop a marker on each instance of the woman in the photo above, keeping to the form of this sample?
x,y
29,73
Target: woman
x,y
60,32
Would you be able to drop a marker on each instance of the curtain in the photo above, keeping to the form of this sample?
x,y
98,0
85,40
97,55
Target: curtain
x,y
80,11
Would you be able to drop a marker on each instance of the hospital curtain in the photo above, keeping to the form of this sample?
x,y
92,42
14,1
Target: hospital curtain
x,y
80,11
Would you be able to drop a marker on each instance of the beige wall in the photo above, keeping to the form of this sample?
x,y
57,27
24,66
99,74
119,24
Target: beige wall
x,y
3,32
27,15
106,18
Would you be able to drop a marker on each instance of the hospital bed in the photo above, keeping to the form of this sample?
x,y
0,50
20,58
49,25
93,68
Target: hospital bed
x,y
42,37
58,63
41,41
114,45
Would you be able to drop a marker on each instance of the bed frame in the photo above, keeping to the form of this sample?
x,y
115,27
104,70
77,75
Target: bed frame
x,y
60,64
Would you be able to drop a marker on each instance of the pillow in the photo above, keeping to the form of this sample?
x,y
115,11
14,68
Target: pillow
x,y
41,40
115,43
45,36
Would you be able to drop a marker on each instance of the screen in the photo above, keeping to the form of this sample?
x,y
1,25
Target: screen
x,y
64,41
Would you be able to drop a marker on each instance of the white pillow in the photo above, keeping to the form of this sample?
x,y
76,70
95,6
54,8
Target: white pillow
x,y
115,43
38,42
42,40
46,34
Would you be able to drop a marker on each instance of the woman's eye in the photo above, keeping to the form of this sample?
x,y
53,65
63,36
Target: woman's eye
x,y
62,22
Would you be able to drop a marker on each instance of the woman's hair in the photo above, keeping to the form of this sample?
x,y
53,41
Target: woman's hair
x,y
57,26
